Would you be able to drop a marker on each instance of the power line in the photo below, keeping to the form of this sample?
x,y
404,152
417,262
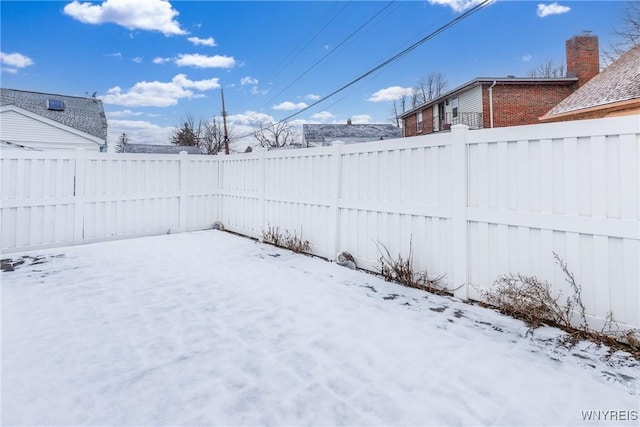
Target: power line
x,y
294,54
308,70
391,60
394,58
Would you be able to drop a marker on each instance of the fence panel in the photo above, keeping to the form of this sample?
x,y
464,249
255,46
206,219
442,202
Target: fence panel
x,y
395,198
38,205
469,204
575,192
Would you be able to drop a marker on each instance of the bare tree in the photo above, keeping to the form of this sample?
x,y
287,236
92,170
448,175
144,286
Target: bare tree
x,y
398,107
211,138
275,135
429,87
627,32
548,69
123,140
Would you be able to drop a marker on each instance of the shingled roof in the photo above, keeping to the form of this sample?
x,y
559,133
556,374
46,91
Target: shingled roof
x,y
618,83
84,114
160,149
349,133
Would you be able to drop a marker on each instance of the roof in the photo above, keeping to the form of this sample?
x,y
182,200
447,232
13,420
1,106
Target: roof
x,y
84,114
489,81
617,83
350,133
160,149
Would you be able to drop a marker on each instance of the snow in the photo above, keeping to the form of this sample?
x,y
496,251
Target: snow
x,y
210,328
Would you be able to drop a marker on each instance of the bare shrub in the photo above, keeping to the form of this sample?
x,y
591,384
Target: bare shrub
x,y
401,270
295,243
574,301
526,298
273,236
531,300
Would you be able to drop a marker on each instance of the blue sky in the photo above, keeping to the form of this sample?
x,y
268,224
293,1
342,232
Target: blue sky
x,y
154,62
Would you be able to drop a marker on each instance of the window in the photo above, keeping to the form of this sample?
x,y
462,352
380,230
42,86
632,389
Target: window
x,y
419,121
454,106
55,104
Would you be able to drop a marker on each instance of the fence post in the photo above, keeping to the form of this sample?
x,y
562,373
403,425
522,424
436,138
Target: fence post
x,y
334,208
79,179
262,168
459,188
184,192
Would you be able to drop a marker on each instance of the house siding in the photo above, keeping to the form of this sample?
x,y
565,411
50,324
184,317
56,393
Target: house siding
x,y
40,135
515,105
471,100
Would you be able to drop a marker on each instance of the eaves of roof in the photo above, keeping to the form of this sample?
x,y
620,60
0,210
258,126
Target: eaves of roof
x,y
610,107
490,80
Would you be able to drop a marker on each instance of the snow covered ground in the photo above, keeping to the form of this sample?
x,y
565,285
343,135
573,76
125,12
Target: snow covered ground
x,y
209,328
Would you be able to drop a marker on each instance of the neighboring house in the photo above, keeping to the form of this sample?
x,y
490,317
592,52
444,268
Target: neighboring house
x,y
43,121
488,102
326,134
160,149
613,92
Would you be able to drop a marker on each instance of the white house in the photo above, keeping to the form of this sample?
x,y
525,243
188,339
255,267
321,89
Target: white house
x,y
43,121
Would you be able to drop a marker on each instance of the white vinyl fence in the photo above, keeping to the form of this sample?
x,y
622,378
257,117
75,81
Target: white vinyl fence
x,y
469,204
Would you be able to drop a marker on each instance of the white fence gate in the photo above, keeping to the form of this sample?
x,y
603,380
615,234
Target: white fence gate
x,y
472,204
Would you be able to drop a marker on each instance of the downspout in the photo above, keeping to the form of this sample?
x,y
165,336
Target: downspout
x,y
491,102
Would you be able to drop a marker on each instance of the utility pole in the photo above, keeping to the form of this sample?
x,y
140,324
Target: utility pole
x,y
224,121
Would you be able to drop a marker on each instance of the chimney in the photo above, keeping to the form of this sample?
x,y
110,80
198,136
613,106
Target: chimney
x,y
349,121
583,57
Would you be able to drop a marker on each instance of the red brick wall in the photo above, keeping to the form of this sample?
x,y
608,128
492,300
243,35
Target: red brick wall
x,y
427,120
410,123
520,104
583,58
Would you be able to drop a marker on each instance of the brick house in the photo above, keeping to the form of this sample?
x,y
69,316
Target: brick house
x,y
488,102
613,92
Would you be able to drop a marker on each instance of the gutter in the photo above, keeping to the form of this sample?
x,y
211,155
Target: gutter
x,y
491,102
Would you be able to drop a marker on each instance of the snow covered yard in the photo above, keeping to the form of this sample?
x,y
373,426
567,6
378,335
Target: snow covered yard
x,y
209,328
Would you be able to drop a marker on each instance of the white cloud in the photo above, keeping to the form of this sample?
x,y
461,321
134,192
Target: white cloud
x,y
137,59
527,58
203,61
312,97
139,132
160,60
15,60
551,9
390,94
149,15
243,125
323,116
159,94
256,91
122,113
248,81
204,42
288,105
361,119
117,55
457,5
8,70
